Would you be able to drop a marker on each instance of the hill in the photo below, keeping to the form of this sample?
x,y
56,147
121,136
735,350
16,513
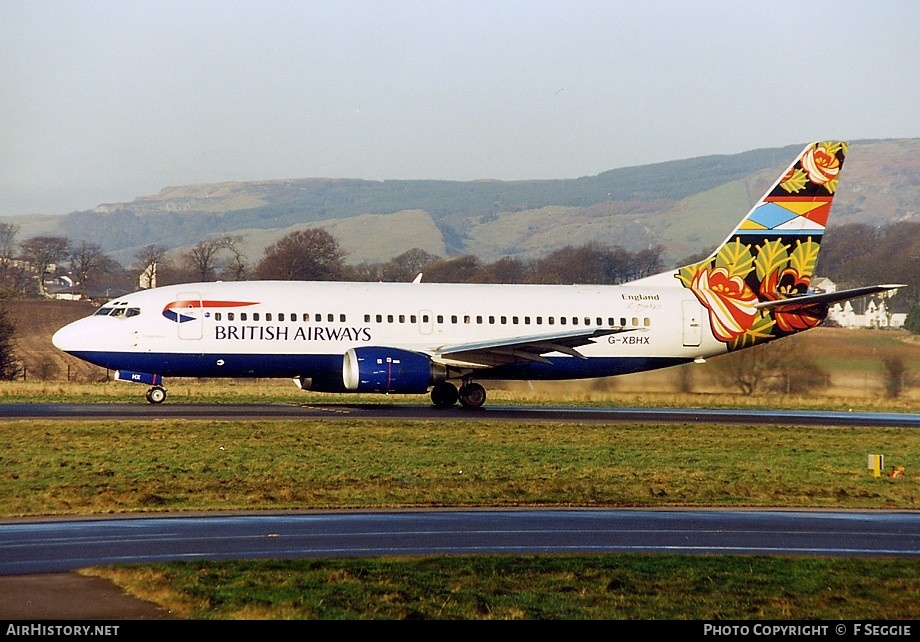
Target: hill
x,y
685,205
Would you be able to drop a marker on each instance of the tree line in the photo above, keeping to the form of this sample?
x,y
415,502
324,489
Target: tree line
x,y
853,254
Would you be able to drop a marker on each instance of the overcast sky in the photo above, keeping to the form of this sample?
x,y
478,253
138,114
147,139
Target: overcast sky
x,y
104,101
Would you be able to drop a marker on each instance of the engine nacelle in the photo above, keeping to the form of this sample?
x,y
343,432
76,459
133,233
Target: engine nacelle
x,y
375,369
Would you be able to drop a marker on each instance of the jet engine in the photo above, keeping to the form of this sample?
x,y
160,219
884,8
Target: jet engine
x,y
373,369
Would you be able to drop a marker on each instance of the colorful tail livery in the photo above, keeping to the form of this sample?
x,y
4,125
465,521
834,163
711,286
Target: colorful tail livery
x,y
440,338
771,256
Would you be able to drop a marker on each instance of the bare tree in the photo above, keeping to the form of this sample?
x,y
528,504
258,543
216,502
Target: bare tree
x,y
201,261
235,267
206,261
305,255
407,265
44,253
8,233
88,262
149,260
783,367
462,269
13,278
507,269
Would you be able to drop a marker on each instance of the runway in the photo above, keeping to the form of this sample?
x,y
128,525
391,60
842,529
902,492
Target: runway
x,y
602,414
57,545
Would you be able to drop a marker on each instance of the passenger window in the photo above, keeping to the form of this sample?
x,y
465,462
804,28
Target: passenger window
x,y
466,318
389,318
550,320
330,317
280,316
623,321
479,319
255,316
440,318
379,318
402,318
230,316
648,322
539,320
367,318
514,320
635,321
243,316
412,318
318,318
562,320
424,318
217,316
503,320
453,318
342,318
268,316
526,320
306,317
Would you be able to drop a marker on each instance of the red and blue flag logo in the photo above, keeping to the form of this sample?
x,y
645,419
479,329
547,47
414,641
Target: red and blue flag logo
x,y
183,311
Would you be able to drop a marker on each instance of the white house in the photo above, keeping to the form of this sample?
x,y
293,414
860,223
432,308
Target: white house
x,y
866,312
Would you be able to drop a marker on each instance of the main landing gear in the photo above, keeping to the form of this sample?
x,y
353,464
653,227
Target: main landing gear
x,y
156,395
445,394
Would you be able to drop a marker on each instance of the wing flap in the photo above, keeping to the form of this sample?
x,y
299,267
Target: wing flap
x,y
523,349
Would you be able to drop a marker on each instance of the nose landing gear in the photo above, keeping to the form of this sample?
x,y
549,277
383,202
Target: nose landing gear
x,y
156,395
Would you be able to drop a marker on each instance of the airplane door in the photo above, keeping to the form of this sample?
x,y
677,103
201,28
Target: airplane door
x,y
425,322
693,326
188,315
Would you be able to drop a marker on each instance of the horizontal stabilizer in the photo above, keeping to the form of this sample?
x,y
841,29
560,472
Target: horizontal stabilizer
x,y
827,297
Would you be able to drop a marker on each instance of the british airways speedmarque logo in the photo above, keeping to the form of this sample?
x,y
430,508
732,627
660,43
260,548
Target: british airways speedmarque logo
x,y
174,310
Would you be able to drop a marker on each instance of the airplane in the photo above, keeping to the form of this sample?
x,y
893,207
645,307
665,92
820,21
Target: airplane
x,y
419,337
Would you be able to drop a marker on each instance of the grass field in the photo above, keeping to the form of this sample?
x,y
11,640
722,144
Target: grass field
x,y
99,467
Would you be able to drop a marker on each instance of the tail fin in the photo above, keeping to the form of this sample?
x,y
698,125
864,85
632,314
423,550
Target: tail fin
x,y
771,255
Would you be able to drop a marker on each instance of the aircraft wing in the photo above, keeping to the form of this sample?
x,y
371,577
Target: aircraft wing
x,y
826,298
526,348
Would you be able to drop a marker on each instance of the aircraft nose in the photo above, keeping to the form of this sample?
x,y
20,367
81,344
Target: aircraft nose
x,y
73,337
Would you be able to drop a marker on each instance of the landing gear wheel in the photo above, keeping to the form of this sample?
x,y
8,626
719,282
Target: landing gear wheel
x,y
157,394
444,394
472,395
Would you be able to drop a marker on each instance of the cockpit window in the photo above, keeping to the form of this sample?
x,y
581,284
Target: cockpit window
x,y
117,312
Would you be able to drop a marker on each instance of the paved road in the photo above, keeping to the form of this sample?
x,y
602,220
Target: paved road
x,y
35,555
56,545
605,414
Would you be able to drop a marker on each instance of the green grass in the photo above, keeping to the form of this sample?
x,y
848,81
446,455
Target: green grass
x,y
79,467
98,467
570,587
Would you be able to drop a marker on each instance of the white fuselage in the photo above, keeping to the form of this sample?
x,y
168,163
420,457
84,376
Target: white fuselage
x,y
302,329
